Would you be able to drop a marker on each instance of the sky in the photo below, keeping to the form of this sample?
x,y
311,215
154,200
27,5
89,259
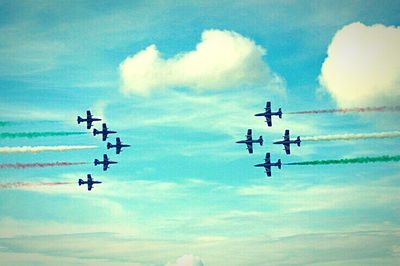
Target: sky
x,y
181,82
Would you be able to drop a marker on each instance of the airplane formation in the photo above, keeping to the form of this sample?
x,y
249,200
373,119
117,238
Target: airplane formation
x,y
285,142
104,132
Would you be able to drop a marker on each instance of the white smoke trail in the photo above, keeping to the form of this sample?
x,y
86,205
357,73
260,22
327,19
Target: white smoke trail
x,y
36,149
380,135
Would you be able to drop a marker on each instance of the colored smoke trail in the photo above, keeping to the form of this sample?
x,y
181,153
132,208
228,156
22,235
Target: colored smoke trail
x,y
351,110
5,123
385,158
32,165
36,149
380,135
38,134
36,184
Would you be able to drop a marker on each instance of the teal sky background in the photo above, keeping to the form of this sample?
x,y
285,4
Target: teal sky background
x,y
185,187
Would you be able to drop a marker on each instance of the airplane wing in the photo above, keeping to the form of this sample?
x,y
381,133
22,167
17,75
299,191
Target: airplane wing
x,y
118,149
118,141
250,147
267,157
104,135
268,107
89,178
287,136
105,157
268,170
287,148
268,120
104,127
105,166
89,186
88,124
88,114
248,136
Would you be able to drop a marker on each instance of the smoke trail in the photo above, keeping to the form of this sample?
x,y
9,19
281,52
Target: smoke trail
x,y
351,110
38,134
385,158
37,184
5,123
35,149
380,135
32,165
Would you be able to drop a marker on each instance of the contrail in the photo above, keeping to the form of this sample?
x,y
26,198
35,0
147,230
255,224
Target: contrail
x,y
351,110
385,158
10,123
379,135
38,134
35,149
36,184
32,165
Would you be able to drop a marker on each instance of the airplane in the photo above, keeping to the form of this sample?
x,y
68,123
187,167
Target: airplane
x,y
104,132
268,114
118,145
267,165
106,162
89,119
89,182
249,141
286,141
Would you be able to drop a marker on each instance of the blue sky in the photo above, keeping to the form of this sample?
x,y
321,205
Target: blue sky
x,y
185,187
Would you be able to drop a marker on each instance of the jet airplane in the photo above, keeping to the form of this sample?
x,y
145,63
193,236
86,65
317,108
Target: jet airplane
x,y
286,141
89,119
118,145
249,141
267,164
103,132
106,162
268,114
89,182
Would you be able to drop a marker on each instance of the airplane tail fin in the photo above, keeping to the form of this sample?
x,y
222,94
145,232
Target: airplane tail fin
x,y
261,140
79,119
95,132
96,162
80,181
108,145
298,141
279,163
280,112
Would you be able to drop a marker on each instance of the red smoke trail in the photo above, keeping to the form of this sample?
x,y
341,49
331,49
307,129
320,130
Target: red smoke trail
x,y
37,184
351,110
31,165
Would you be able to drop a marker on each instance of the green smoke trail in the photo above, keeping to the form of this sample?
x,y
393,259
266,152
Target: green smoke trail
x,y
385,158
38,134
5,123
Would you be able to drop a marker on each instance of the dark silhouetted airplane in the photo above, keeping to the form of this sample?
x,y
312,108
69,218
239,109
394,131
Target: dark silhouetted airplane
x,y
267,165
286,141
89,119
103,132
249,141
89,182
118,145
106,162
268,114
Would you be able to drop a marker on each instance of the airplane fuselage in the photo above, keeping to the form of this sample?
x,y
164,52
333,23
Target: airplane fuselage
x,y
268,164
249,141
287,142
269,114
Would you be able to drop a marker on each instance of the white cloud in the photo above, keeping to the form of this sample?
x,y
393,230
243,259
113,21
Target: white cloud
x,y
223,59
187,260
363,65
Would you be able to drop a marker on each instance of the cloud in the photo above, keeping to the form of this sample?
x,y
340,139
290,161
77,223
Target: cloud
x,y
363,65
187,260
223,59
